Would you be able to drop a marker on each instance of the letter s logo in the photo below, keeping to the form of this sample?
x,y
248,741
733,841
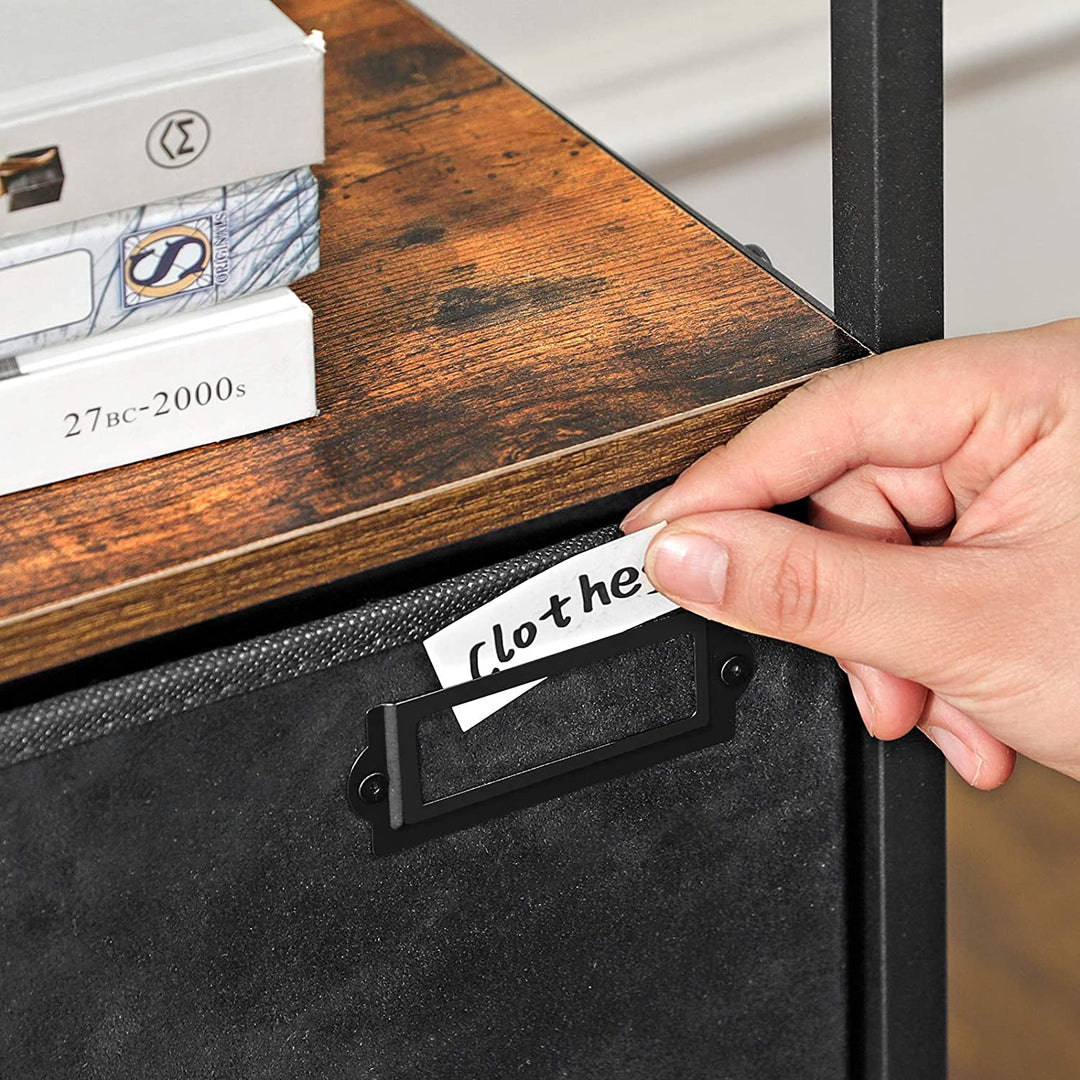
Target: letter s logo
x,y
168,258
166,262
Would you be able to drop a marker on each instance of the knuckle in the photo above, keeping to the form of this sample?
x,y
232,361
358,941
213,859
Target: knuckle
x,y
832,393
828,384
790,589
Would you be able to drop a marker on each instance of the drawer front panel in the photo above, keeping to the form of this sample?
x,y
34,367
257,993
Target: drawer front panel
x,y
192,896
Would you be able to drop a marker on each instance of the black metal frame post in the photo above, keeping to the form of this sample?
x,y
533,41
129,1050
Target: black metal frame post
x,y
888,234
888,245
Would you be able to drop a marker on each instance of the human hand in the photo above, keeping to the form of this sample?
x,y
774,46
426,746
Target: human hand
x,y
974,639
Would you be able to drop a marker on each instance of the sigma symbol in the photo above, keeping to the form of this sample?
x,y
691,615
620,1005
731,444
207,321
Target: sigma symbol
x,y
178,138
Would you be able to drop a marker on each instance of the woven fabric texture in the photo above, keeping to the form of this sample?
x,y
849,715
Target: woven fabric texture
x,y
119,704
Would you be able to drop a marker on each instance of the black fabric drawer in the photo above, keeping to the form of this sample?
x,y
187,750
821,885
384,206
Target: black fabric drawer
x,y
184,890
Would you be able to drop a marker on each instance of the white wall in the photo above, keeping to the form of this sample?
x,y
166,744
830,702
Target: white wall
x,y
726,103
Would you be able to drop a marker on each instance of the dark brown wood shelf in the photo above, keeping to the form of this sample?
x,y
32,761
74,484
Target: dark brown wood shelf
x,y
508,322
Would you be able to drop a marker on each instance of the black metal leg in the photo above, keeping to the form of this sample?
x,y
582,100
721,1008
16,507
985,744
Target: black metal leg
x,y
889,285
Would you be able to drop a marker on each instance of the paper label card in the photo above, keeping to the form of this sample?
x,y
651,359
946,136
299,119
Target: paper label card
x,y
592,595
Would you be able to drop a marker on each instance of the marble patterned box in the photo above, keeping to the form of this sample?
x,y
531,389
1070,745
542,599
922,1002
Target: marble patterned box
x,y
131,266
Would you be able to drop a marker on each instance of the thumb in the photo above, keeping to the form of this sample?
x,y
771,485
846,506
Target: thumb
x,y
898,608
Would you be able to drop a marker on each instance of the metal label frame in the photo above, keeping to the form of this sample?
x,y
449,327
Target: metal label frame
x,y
384,785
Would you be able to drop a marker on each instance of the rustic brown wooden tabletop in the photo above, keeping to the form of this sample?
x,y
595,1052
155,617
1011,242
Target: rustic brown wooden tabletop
x,y
508,322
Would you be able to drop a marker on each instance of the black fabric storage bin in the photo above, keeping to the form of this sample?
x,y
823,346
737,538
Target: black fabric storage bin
x,y
185,891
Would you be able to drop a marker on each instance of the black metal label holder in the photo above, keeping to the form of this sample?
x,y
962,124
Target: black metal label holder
x,y
384,784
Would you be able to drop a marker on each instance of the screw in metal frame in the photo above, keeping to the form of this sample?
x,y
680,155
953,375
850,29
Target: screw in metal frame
x,y
373,788
736,670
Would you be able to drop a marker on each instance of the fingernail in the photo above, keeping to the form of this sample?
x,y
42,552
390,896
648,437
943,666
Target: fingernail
x,y
639,510
690,566
862,699
958,754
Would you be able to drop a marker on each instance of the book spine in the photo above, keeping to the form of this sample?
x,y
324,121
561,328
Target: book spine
x,y
129,267
166,395
208,128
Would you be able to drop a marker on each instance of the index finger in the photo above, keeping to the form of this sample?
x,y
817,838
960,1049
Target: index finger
x,y
911,408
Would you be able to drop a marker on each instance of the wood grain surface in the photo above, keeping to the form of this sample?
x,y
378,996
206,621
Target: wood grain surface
x,y
508,322
1014,928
